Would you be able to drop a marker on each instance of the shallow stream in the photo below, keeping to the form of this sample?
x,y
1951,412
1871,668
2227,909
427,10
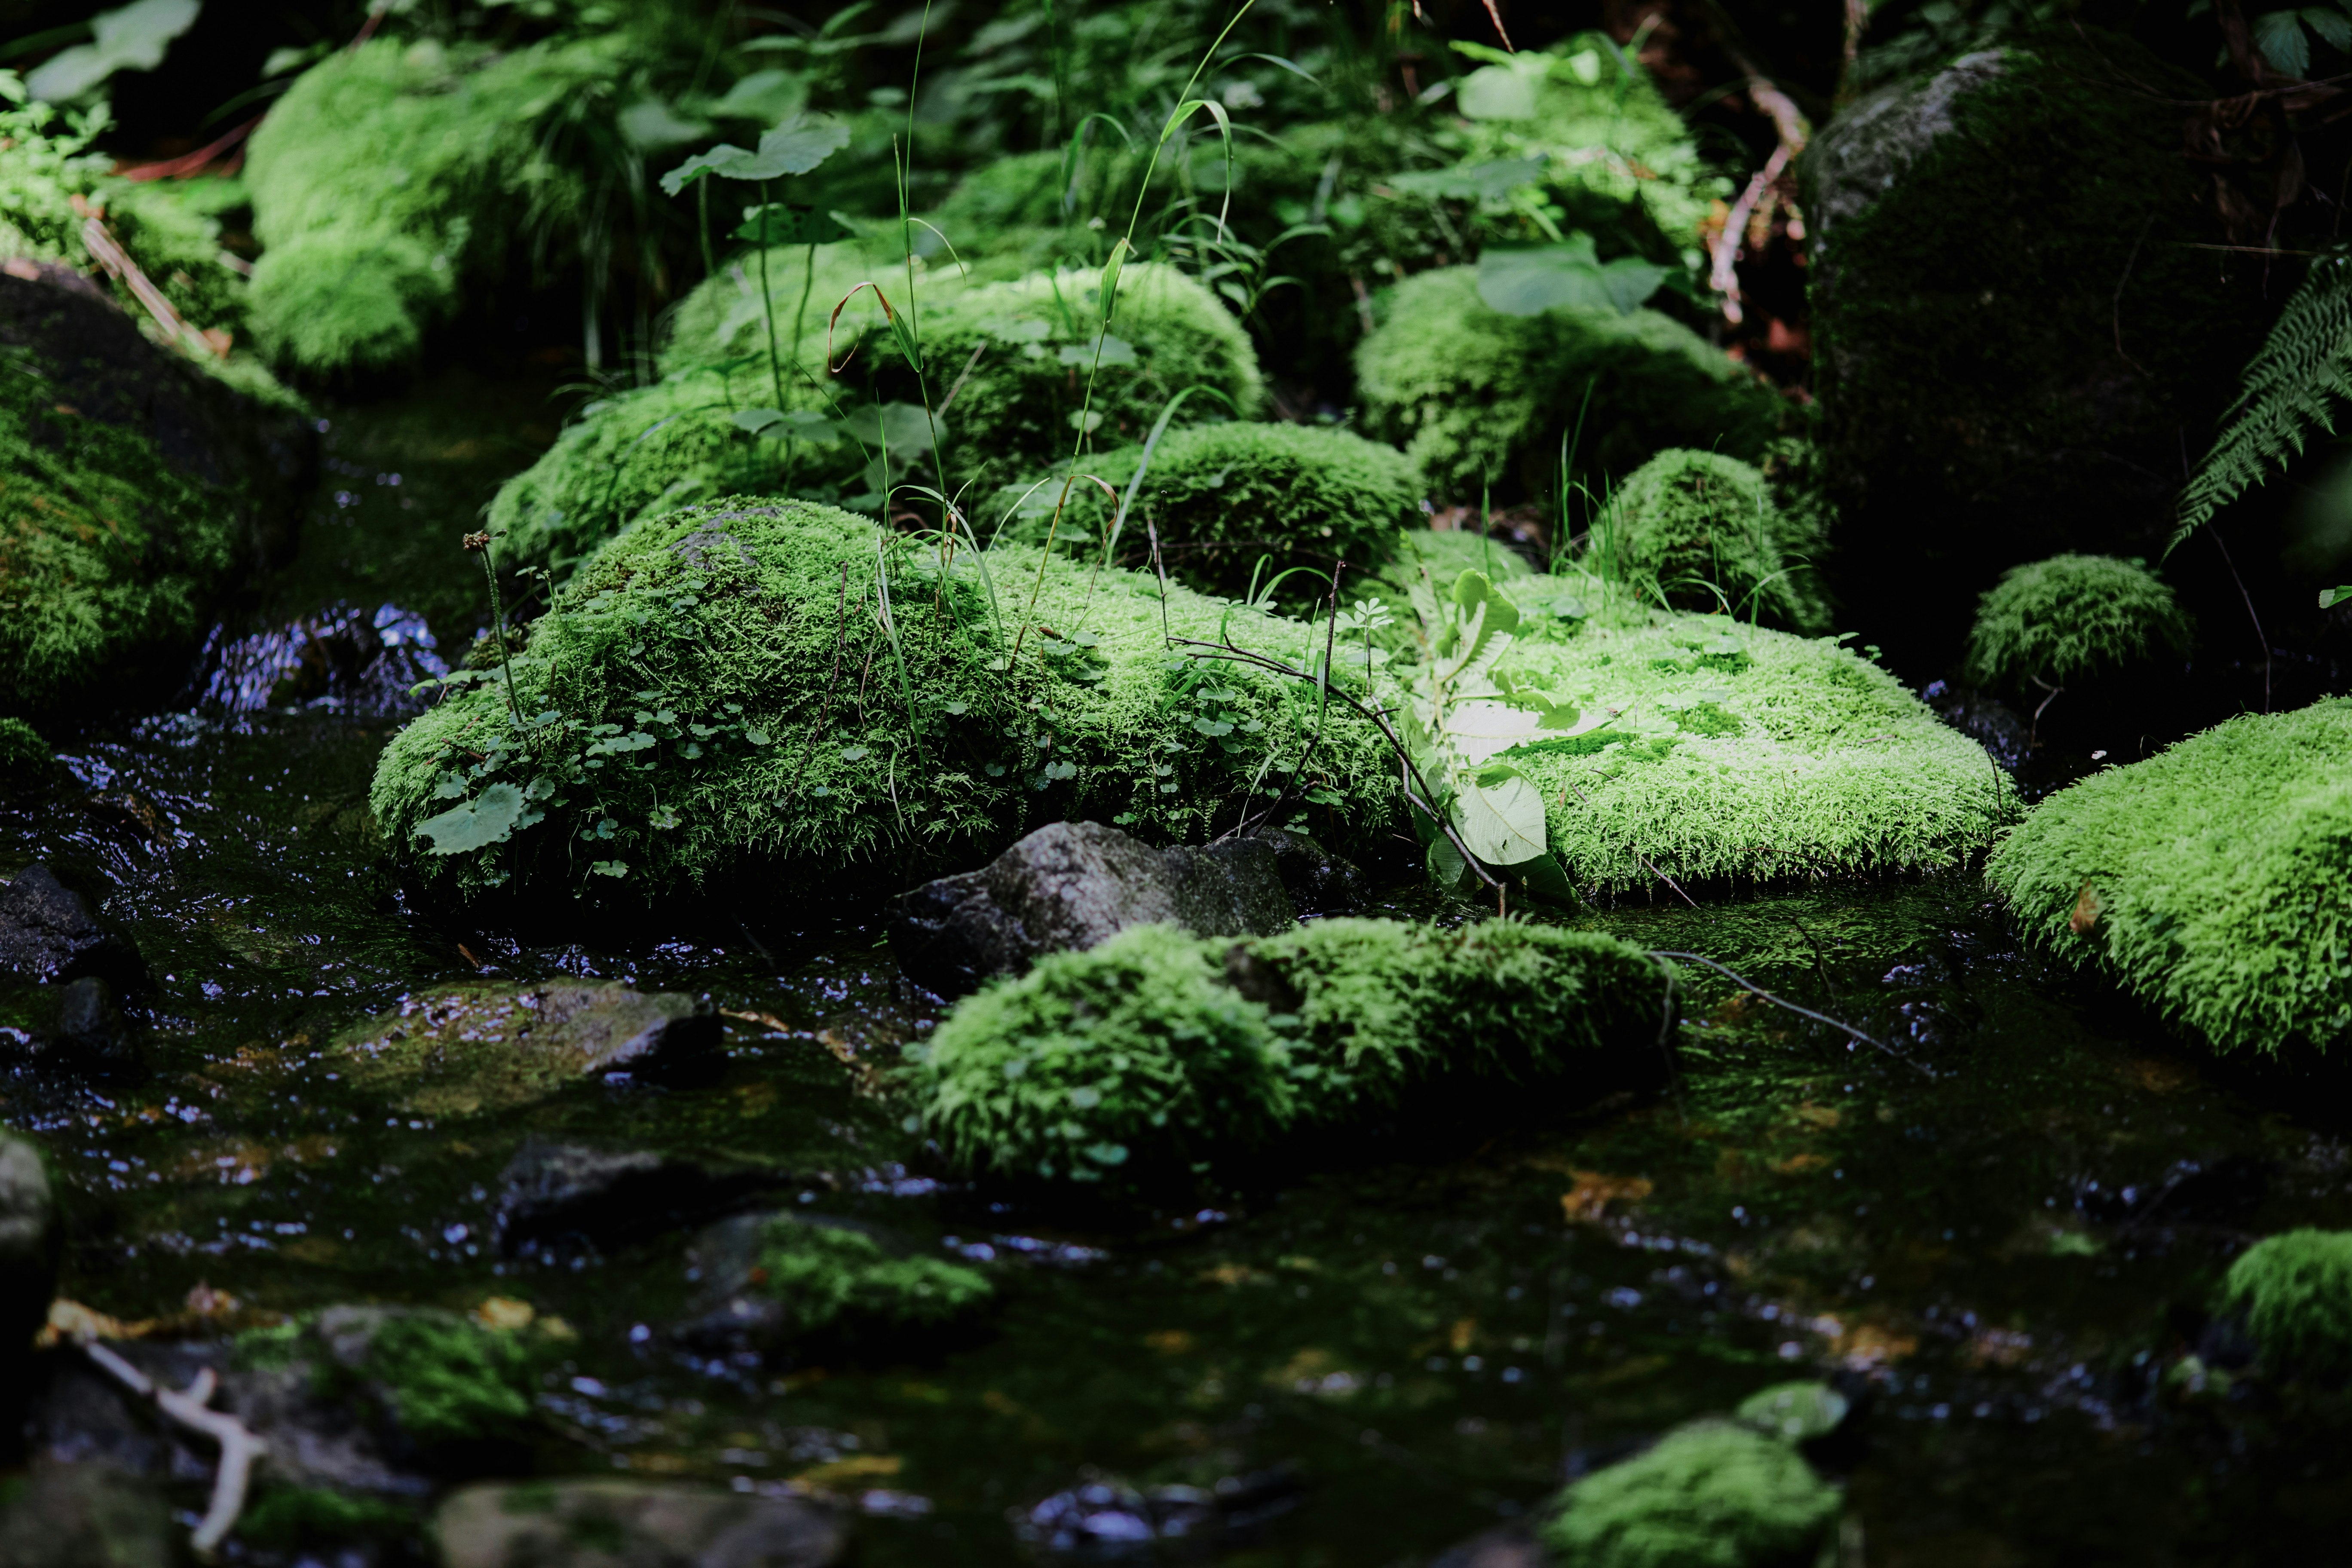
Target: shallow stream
x,y
1994,1222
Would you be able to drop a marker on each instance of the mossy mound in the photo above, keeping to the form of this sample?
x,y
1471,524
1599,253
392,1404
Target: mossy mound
x,y
2294,1293
1737,753
1479,398
722,322
750,681
390,175
2208,879
23,753
1151,1056
1996,390
437,1378
1009,365
2072,617
838,1281
1706,530
1225,497
1709,1495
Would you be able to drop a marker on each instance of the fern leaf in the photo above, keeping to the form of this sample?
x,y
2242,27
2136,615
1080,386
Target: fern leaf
x,y
2293,385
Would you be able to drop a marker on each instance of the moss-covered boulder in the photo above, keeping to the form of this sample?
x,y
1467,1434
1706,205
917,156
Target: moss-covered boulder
x,y
1478,398
436,1382
1996,384
135,491
1709,1495
722,320
2294,1293
392,175
1732,751
1225,498
746,683
1147,1057
819,1283
1705,529
2207,879
2070,618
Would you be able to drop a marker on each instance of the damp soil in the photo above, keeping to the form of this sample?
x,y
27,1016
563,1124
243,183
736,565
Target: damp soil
x,y
1994,1221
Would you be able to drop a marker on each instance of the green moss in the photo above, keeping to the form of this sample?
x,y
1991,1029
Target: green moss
x,y
2208,879
1706,530
287,1518
2295,1292
721,321
1223,496
833,1278
724,692
1739,752
1139,1057
1709,1495
22,750
390,175
2070,617
445,1379
1476,398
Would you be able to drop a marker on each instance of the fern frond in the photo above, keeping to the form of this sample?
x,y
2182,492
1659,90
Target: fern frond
x,y
2292,386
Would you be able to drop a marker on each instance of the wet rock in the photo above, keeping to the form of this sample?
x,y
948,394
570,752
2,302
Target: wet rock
x,y
1107,1517
555,1197
30,1239
85,1516
1073,885
47,932
483,1045
1993,725
1318,882
634,1524
91,1032
767,1277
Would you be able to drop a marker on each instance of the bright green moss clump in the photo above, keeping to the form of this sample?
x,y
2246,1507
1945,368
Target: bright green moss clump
x,y
2070,617
2295,1292
1476,398
834,1278
1223,496
1737,753
1706,530
1710,1495
438,1377
2208,879
1144,1057
747,681
389,175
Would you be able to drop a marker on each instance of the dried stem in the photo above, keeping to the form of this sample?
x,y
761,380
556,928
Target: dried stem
x,y
190,1408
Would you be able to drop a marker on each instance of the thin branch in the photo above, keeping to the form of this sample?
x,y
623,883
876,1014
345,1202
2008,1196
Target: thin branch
x,y
1748,984
2249,598
189,1408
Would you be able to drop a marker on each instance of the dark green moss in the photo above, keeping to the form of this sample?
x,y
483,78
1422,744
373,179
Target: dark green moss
x,y
835,1278
2072,617
2295,1292
290,1517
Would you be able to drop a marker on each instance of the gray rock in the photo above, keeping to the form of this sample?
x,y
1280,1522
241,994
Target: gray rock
x,y
1879,138
1073,885
30,1240
555,1197
47,932
1318,882
85,1516
485,1046
92,1034
634,1524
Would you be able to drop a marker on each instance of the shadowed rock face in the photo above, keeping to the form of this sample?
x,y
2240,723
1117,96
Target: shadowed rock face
x,y
29,1244
48,933
1073,885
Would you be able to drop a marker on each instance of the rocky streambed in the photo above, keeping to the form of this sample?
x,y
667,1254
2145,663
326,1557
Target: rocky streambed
x,y
311,1134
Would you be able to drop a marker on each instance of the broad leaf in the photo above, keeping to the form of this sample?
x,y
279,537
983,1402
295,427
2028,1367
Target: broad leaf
x,y
477,824
778,223
1568,275
1500,92
1489,182
131,37
1500,817
2279,36
768,95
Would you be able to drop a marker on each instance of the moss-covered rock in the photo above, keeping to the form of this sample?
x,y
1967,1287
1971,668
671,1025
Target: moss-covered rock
x,y
1735,751
134,490
390,176
1480,398
23,753
722,322
1225,497
1995,384
1709,1495
749,681
2293,1292
2208,879
438,1380
2072,617
836,1279
1706,530
1156,1053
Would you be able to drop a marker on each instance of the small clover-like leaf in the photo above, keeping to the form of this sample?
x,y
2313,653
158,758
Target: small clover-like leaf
x,y
480,823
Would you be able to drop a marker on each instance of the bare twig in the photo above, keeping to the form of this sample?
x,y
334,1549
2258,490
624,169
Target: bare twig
x,y
2249,598
190,1408
1748,984
101,245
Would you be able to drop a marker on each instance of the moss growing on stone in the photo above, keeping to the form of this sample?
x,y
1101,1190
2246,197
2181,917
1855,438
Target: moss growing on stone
x,y
434,1376
2208,879
1737,753
391,174
2072,617
22,750
1709,1495
1223,497
1143,1058
1705,529
749,681
2294,1293
1479,398
835,1278
721,321
290,1517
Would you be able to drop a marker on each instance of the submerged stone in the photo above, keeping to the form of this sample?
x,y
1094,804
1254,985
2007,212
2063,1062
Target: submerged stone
x,y
484,1046
557,1196
2207,879
1735,752
1709,1495
599,1523
2293,1292
1073,885
48,933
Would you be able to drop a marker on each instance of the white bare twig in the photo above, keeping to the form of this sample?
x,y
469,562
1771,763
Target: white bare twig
x,y
190,1407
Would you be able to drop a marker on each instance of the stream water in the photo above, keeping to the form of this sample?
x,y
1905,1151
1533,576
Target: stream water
x,y
1995,1227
